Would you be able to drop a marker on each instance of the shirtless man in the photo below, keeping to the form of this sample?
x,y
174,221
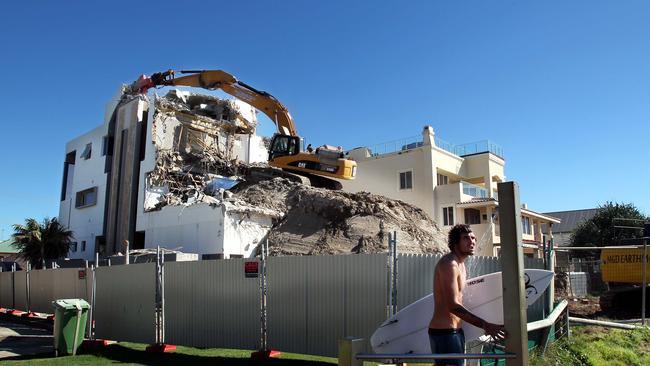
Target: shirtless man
x,y
445,332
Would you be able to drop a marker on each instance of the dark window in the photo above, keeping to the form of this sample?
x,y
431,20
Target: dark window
x,y
83,245
69,160
73,246
448,216
525,225
406,180
107,145
87,197
87,153
472,216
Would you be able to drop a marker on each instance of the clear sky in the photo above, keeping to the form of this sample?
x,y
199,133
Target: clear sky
x,y
562,86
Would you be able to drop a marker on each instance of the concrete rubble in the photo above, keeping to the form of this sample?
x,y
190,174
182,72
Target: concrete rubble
x,y
194,137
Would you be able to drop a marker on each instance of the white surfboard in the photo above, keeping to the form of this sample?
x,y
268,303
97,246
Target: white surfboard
x,y
406,331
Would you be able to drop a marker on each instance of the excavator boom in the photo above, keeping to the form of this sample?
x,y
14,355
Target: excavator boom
x,y
219,79
286,147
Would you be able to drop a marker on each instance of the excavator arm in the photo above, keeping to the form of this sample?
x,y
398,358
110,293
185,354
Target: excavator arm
x,y
285,151
218,79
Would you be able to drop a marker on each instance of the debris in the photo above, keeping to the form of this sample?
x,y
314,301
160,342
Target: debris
x,y
194,137
320,221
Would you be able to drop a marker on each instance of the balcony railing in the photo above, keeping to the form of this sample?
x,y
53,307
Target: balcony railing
x,y
470,148
403,144
474,190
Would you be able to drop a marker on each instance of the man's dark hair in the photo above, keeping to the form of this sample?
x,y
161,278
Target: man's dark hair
x,y
455,233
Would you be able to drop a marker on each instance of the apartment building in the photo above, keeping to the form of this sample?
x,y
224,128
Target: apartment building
x,y
452,183
108,193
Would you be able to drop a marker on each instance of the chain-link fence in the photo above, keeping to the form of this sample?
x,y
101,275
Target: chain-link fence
x,y
604,283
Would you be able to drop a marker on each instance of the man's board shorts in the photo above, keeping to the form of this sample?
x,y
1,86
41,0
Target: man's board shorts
x,y
447,341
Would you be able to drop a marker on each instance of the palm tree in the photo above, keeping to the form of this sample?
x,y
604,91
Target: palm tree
x,y
38,242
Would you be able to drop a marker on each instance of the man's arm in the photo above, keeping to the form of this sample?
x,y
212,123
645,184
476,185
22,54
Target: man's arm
x,y
450,273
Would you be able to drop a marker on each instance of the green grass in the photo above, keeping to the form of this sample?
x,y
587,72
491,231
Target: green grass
x,y
594,346
134,354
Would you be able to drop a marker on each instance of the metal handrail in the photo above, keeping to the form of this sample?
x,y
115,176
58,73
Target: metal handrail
x,y
428,358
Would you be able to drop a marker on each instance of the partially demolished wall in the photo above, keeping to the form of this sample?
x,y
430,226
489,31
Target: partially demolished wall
x,y
197,181
195,139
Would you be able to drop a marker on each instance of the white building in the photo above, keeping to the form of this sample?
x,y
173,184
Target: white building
x,y
452,183
106,183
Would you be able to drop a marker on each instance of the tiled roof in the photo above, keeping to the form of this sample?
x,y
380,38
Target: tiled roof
x,y
570,219
477,200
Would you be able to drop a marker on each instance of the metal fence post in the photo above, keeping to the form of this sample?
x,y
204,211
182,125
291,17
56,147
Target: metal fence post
x,y
262,282
29,267
13,286
645,278
391,275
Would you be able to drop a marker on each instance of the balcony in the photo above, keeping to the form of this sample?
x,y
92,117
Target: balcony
x,y
474,190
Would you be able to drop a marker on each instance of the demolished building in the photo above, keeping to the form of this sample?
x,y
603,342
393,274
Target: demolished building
x,y
175,171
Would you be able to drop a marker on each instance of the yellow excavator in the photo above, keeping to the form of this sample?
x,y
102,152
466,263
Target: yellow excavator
x,y
287,150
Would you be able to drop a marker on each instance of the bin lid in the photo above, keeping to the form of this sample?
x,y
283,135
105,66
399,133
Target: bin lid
x,y
71,303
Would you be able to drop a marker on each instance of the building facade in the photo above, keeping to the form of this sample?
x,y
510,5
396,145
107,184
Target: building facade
x,y
108,194
452,183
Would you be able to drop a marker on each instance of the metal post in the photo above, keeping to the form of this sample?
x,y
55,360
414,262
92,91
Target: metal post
x,y
645,279
29,267
126,249
158,304
512,262
389,277
262,282
162,297
13,286
394,294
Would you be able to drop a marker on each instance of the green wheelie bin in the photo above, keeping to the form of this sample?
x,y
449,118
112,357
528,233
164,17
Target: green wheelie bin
x,y
70,316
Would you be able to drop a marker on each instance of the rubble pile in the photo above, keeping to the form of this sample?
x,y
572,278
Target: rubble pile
x,y
194,137
320,221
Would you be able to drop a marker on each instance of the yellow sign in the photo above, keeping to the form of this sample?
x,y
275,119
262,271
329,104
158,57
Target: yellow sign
x,y
623,265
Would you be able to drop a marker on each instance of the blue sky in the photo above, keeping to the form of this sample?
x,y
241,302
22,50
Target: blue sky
x,y
563,87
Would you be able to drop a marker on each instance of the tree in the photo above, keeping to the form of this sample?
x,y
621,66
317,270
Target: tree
x,y
600,231
37,242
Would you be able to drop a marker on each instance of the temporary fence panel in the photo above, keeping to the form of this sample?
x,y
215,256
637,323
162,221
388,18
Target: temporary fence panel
x,y
6,290
48,285
608,282
315,300
211,304
415,274
124,309
20,290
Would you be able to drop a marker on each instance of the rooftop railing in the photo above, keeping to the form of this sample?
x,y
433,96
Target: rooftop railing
x,y
470,148
413,142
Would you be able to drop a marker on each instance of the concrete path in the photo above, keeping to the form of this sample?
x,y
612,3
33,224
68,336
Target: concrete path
x,y
20,339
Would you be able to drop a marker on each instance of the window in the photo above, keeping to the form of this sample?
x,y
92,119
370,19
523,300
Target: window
x,y
472,216
83,245
406,180
107,145
87,151
525,225
87,197
442,179
448,216
73,247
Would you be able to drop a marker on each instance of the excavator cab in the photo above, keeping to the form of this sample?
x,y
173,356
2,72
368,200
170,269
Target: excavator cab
x,y
283,145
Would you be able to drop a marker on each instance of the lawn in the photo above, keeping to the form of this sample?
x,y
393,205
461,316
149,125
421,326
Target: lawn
x,y
134,354
594,346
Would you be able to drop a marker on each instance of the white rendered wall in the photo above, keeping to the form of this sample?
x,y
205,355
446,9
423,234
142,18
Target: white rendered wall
x,y
86,223
192,229
381,175
243,231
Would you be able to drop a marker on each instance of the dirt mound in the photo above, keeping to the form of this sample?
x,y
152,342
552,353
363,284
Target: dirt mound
x,y
320,221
